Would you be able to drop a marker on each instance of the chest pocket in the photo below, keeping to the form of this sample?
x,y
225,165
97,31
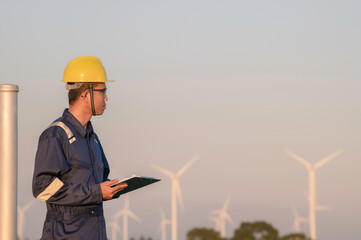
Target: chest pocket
x,y
77,156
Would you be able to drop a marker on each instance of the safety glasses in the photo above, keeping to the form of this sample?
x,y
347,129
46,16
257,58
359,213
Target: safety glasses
x,y
103,90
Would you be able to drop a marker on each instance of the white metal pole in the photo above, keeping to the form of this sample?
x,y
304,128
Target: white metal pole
x,y
8,160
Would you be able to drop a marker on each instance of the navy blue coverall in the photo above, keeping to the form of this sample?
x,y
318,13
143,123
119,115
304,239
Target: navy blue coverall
x,y
69,166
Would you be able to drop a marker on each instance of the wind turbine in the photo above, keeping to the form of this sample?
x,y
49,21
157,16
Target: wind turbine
x,y
217,223
224,216
297,221
21,218
312,185
176,192
115,228
163,225
125,212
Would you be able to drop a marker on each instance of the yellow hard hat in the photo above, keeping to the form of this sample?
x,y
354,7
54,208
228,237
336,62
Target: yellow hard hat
x,y
85,69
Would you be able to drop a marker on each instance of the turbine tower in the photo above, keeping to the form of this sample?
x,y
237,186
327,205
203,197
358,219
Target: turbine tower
x,y
163,225
176,192
115,228
125,212
223,216
21,218
312,186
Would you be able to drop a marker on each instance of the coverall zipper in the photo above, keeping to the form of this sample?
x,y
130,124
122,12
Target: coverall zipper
x,y
91,155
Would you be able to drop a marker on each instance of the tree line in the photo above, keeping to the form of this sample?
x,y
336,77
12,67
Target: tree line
x,y
258,230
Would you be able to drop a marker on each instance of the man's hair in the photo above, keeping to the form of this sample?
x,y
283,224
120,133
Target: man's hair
x,y
74,94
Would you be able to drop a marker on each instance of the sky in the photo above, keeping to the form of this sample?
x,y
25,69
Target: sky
x,y
236,82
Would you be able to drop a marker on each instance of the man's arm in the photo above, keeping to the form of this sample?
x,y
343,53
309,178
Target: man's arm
x,y
50,165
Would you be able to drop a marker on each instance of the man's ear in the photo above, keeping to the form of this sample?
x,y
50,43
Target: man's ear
x,y
85,96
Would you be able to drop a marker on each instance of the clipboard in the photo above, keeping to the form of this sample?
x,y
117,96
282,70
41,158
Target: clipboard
x,y
134,182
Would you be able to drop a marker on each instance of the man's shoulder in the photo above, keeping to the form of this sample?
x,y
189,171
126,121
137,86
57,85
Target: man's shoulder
x,y
58,128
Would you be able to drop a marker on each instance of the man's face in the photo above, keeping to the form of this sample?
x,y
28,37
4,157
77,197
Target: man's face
x,y
100,98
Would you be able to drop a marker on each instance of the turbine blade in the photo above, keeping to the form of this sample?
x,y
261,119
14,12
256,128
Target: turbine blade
x,y
322,208
328,158
179,194
118,214
165,171
132,215
226,203
229,219
298,158
187,165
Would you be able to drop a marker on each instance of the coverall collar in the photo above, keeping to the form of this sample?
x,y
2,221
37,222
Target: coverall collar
x,y
76,124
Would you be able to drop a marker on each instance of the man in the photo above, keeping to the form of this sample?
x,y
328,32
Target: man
x,y
71,170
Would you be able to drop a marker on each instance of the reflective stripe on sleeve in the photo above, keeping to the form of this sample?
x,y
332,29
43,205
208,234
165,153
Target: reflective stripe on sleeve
x,y
50,190
68,132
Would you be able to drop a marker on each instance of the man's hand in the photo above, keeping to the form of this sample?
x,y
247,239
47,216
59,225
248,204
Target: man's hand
x,y
108,191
